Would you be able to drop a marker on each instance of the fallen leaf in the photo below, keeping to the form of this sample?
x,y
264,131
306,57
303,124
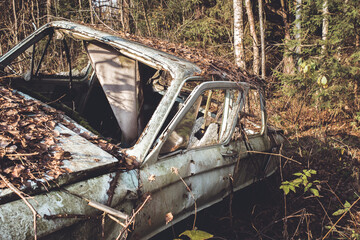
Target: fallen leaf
x,y
51,124
11,112
66,135
14,133
11,149
4,142
169,217
17,170
151,178
56,133
59,155
67,155
49,141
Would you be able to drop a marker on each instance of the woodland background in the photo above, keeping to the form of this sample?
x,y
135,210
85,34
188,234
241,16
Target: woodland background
x,y
308,53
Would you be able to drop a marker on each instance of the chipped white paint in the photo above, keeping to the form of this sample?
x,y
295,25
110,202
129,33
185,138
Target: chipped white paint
x,y
16,217
84,154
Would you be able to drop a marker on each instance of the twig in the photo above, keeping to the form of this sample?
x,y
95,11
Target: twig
x,y
21,154
258,233
103,215
300,222
19,193
327,215
285,232
113,185
116,220
174,170
48,103
103,22
231,180
337,197
66,215
276,154
133,217
8,76
332,227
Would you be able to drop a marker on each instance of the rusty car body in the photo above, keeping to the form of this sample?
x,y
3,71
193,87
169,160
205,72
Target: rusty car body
x,y
177,124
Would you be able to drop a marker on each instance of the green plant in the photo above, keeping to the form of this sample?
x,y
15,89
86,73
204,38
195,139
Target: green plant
x,y
302,180
195,235
340,211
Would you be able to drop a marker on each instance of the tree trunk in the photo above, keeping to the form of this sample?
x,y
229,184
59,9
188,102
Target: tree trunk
x,y
37,14
15,22
256,57
146,19
262,39
80,11
325,26
288,59
125,15
298,26
91,12
239,34
48,10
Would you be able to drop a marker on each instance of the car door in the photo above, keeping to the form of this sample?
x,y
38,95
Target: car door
x,y
189,166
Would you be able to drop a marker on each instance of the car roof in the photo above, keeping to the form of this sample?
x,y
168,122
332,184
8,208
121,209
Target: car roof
x,y
145,54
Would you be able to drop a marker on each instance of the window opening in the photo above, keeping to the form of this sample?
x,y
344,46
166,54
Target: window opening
x,y
208,121
250,117
59,61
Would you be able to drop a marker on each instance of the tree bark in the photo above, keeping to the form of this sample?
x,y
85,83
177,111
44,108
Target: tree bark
x,y
298,25
80,11
239,50
256,57
146,19
262,39
48,10
15,22
91,12
288,59
325,26
125,15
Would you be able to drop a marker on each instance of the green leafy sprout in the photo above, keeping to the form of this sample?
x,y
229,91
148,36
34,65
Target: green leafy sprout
x,y
302,180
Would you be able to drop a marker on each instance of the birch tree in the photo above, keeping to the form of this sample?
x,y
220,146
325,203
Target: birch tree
x,y
262,39
325,25
239,34
298,25
256,57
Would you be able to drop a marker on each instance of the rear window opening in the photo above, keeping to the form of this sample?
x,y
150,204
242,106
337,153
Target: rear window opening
x,y
114,94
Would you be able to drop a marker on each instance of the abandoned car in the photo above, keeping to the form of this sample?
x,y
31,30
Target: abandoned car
x,y
183,138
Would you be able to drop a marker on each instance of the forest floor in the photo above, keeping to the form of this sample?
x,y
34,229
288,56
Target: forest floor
x,y
318,140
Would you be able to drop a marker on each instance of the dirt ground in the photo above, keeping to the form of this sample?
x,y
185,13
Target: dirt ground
x,y
323,141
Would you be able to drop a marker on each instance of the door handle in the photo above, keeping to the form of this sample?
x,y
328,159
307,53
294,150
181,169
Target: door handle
x,y
229,153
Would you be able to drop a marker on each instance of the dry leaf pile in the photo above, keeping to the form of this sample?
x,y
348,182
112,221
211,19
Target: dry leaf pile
x,y
28,149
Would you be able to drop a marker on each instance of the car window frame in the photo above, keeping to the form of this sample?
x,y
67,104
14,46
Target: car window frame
x,y
153,156
263,130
